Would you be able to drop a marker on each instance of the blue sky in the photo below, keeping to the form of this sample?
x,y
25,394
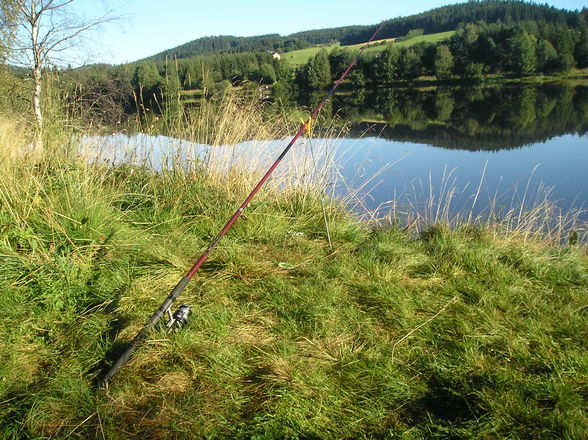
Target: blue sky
x,y
150,26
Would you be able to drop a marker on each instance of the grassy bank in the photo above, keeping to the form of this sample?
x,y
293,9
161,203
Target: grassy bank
x,y
468,332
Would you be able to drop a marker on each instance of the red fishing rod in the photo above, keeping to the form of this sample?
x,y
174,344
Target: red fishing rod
x,y
180,317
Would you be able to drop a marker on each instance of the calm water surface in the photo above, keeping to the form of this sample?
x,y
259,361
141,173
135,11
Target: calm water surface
x,y
556,168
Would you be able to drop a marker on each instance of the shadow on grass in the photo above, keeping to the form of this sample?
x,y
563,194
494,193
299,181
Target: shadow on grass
x,y
117,348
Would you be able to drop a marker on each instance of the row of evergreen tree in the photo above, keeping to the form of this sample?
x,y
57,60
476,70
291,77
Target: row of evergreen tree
x,y
526,48
156,85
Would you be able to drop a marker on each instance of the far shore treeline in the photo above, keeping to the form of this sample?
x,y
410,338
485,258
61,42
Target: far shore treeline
x,y
505,38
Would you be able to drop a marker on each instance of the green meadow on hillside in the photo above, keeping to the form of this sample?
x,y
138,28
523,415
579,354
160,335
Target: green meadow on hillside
x,y
300,57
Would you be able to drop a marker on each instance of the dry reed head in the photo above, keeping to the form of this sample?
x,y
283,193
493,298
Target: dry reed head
x,y
16,165
13,143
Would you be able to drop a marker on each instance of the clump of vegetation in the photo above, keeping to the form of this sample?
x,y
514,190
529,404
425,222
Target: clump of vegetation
x,y
413,33
464,332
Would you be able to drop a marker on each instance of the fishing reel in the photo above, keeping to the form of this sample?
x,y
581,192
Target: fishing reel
x,y
179,318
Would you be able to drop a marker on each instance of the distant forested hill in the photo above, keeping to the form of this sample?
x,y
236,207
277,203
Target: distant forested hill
x,y
447,18
231,44
437,20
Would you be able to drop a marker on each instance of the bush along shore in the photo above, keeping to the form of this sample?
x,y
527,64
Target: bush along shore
x,y
462,332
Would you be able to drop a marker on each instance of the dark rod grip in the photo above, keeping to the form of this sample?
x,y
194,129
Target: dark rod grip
x,y
128,353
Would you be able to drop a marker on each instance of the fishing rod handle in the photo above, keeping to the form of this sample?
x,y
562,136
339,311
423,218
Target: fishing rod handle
x,y
128,353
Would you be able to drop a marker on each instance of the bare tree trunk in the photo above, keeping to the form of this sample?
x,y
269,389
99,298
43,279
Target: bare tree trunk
x,y
37,71
37,99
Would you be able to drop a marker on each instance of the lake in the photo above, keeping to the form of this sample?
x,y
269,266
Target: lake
x,y
478,151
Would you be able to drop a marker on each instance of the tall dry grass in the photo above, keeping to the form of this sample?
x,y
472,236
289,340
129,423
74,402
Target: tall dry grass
x,y
527,209
233,141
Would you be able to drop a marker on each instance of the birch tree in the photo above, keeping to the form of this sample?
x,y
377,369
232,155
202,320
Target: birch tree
x,y
44,31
